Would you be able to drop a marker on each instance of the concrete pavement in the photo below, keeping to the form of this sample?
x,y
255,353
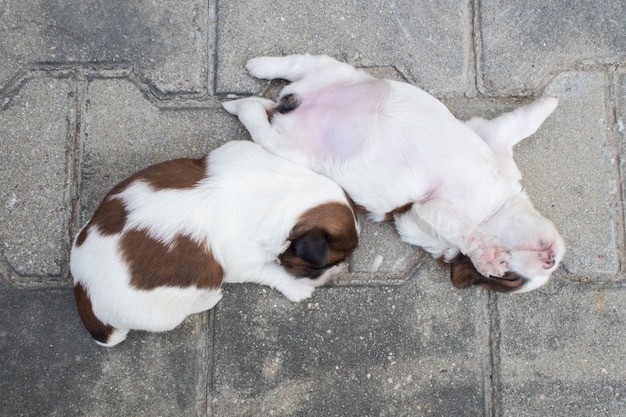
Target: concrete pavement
x,y
91,91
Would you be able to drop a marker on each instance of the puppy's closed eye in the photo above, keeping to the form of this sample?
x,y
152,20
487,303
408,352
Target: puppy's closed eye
x,y
463,275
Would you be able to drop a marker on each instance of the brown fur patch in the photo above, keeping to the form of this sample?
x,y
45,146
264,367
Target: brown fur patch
x,y
182,263
398,210
331,225
99,331
110,216
177,173
463,275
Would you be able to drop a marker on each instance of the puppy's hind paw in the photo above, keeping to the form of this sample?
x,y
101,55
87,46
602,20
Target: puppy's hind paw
x,y
548,102
263,67
235,107
232,106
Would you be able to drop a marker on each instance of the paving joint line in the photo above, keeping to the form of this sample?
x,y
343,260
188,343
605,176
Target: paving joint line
x,y
493,364
211,63
104,70
614,104
472,90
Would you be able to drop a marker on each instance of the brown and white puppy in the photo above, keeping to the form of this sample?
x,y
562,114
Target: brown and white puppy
x,y
451,187
162,241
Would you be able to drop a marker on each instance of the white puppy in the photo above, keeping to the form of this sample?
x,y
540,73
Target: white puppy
x,y
451,187
162,241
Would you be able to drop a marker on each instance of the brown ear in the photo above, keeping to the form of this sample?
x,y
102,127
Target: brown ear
x,y
323,236
463,275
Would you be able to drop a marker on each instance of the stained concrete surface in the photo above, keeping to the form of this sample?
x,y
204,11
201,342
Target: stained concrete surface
x,y
92,91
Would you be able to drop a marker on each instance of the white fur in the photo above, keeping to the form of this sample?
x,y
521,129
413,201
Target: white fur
x,y
244,211
389,143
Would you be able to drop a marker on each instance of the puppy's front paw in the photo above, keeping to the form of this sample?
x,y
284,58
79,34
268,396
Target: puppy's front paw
x,y
302,288
326,276
491,259
298,290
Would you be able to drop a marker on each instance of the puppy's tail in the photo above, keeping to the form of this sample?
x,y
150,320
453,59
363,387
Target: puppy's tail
x,y
287,104
105,334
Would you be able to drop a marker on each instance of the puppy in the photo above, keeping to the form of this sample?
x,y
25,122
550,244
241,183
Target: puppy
x,y
162,242
451,187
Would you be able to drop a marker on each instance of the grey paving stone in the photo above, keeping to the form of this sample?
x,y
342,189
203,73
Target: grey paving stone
x,y
569,169
50,366
562,352
419,349
523,42
574,156
428,42
36,143
620,84
165,41
381,257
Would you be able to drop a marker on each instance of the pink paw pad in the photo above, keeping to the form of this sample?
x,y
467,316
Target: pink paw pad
x,y
492,261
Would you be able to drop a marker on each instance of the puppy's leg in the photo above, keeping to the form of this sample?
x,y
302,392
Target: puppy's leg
x,y
489,258
234,106
295,289
506,130
252,113
295,67
307,72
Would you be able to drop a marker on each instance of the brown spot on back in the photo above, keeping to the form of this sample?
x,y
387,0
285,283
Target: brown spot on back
x,y
99,331
330,224
110,216
177,174
182,263
463,275
398,210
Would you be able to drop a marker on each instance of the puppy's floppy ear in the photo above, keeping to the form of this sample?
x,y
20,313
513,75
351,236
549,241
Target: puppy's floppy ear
x,y
464,274
312,247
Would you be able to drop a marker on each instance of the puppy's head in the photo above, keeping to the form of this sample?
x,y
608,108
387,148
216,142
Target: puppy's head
x,y
536,249
322,237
